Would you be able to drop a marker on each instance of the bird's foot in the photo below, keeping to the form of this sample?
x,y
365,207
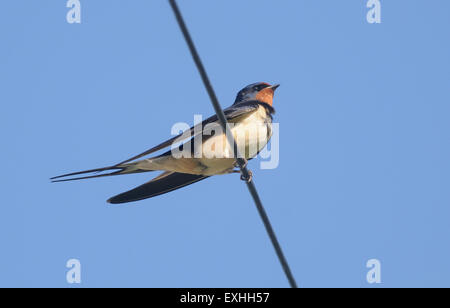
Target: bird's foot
x,y
249,178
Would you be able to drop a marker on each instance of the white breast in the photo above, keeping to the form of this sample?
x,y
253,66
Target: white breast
x,y
251,135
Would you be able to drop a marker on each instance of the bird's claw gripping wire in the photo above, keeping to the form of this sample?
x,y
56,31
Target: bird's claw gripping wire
x,y
244,178
248,178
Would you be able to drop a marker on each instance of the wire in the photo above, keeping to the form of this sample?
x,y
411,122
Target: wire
x,y
242,162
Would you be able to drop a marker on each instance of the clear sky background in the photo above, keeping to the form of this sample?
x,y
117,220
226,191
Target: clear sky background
x,y
364,143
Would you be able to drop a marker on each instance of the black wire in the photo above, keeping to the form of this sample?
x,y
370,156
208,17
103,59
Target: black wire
x,y
241,161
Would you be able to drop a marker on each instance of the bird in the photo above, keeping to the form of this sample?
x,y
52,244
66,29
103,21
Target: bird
x,y
252,110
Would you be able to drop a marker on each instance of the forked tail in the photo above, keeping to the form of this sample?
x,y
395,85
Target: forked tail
x,y
115,170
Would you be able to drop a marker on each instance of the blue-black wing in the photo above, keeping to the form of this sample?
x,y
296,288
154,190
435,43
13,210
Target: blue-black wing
x,y
165,183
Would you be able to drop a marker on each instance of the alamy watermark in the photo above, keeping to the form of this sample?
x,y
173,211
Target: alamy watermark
x,y
374,13
73,275
209,141
374,274
74,14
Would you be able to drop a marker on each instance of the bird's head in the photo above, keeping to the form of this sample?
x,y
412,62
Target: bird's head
x,y
260,91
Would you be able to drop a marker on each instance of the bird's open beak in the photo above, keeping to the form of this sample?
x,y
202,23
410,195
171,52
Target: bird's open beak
x,y
274,87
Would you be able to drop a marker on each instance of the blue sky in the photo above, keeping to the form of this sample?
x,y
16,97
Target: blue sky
x,y
364,148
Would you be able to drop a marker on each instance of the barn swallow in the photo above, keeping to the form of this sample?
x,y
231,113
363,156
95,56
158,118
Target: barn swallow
x,y
252,108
